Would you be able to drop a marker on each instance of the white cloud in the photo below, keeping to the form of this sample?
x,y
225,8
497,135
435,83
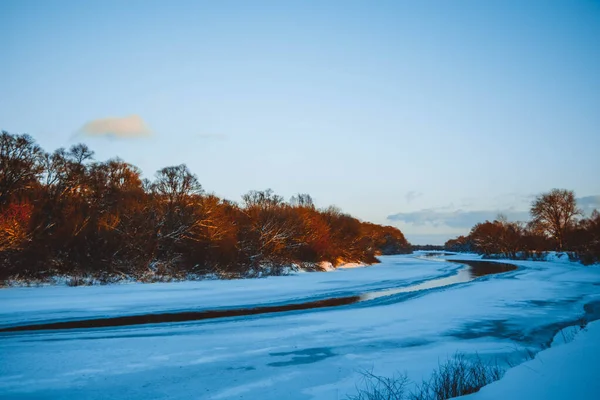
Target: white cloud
x,y
458,219
436,225
132,126
465,219
589,204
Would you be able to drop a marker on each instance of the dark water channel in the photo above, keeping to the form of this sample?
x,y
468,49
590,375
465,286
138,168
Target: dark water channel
x,y
471,271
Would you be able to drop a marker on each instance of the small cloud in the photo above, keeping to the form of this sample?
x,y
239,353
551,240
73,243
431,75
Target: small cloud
x,y
412,195
589,204
132,126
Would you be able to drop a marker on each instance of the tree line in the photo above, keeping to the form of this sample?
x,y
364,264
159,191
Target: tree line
x,y
556,224
63,213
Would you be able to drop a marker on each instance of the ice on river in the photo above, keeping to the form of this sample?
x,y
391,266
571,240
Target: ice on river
x,y
309,354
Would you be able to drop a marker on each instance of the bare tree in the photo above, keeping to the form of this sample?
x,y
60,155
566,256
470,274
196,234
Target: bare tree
x,y
13,226
20,164
178,194
63,212
262,199
302,200
554,213
271,227
176,184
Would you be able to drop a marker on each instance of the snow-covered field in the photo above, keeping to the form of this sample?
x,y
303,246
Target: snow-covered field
x,y
309,354
564,371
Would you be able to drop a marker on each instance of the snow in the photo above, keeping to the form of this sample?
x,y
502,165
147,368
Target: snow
x,y
310,354
567,371
57,303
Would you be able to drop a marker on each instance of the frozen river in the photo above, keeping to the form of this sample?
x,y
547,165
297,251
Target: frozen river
x,y
410,313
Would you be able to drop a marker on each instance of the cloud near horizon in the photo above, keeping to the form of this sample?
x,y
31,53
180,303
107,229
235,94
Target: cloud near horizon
x,y
463,219
589,204
132,126
458,219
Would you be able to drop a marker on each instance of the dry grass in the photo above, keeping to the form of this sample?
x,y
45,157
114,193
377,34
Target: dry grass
x,y
375,387
456,377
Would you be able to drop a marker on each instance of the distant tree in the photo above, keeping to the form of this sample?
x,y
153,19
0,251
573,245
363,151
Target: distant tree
x,y
554,213
262,199
13,226
347,241
176,194
302,200
176,184
511,234
120,223
270,230
384,240
585,239
460,244
484,237
20,164
497,237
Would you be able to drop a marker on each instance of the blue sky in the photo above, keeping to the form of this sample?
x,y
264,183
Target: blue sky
x,y
425,115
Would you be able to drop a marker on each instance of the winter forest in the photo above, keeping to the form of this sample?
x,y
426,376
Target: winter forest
x,y
557,224
63,213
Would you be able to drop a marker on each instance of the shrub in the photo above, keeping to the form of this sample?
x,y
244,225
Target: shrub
x,y
458,376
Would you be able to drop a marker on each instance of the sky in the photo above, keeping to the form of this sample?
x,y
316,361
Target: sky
x,y
426,115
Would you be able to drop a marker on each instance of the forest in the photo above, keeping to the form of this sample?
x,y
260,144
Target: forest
x,y
556,224
65,214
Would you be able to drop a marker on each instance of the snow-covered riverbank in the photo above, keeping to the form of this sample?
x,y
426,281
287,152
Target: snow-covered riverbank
x,y
564,371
